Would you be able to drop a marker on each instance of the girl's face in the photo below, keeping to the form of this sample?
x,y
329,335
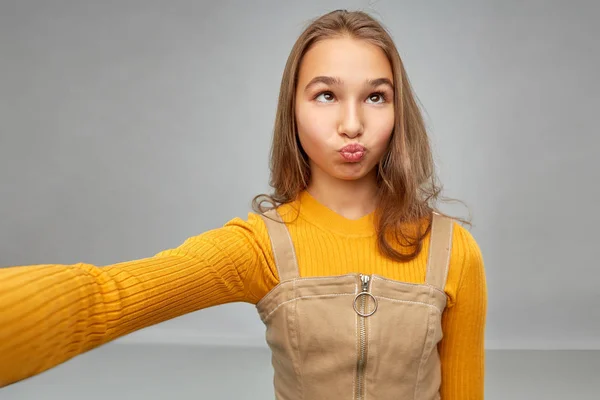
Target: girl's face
x,y
344,96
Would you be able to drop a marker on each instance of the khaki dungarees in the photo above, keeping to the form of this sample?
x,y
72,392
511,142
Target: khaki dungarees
x,y
355,336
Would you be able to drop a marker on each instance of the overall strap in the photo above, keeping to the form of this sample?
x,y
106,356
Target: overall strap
x,y
283,248
440,246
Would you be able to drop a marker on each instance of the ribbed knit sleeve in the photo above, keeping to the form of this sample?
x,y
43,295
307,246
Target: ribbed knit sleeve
x,y
51,313
462,347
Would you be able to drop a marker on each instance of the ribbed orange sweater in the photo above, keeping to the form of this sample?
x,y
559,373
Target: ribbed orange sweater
x,y
51,313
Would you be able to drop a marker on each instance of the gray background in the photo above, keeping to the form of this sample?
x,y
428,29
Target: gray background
x,y
126,127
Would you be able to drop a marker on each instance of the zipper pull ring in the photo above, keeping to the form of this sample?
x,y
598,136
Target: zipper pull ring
x,y
365,279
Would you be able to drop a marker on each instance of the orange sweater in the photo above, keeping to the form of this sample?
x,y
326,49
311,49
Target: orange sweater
x,y
51,313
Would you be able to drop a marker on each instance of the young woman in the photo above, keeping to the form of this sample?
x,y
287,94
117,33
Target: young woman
x,y
365,289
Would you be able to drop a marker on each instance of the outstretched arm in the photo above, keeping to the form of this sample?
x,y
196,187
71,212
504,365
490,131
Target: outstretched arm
x,y
51,313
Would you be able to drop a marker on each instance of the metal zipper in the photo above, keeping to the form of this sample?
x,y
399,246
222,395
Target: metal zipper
x,y
362,332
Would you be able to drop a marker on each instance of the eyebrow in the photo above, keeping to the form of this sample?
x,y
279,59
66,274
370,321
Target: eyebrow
x,y
335,81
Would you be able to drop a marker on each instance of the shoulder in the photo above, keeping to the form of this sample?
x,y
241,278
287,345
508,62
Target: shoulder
x,y
251,228
464,245
236,235
466,260
245,243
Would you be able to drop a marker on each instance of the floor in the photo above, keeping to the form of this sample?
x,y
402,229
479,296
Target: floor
x,y
118,371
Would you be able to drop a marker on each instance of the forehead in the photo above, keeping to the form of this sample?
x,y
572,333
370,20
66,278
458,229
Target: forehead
x,y
353,60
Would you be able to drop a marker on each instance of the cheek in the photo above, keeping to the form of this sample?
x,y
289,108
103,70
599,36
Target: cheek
x,y
381,130
313,130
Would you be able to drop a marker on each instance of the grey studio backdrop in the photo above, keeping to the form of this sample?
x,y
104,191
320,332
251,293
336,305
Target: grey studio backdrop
x,y
126,127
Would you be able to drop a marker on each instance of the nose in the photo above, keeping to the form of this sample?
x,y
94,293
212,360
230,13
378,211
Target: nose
x,y
350,123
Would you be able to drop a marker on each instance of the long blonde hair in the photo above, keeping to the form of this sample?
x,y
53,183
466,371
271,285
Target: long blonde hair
x,y
407,183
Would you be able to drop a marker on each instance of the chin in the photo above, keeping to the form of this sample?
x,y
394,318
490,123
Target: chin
x,y
353,173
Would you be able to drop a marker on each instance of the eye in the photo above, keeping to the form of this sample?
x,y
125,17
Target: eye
x,y
374,98
327,96
377,97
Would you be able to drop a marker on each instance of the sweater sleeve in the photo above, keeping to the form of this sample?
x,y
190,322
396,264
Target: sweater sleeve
x,y
462,350
51,313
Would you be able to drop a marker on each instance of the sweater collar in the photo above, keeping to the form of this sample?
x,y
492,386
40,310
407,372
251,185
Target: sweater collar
x,y
325,218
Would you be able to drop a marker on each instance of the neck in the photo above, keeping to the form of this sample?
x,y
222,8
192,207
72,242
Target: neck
x,y
352,199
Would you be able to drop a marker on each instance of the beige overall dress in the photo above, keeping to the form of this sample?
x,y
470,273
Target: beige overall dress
x,y
355,336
